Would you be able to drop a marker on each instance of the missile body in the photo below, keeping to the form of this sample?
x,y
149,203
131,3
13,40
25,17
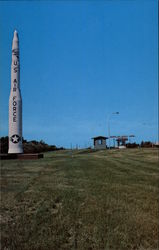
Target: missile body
x,y
15,102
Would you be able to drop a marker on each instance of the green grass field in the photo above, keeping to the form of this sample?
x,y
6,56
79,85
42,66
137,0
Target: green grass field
x,y
82,199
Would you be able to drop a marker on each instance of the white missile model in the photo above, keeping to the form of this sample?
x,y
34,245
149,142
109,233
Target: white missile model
x,y
15,102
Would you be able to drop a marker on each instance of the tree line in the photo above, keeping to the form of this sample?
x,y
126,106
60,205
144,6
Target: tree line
x,y
29,146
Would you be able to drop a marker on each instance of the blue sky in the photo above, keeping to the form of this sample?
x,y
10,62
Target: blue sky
x,y
80,62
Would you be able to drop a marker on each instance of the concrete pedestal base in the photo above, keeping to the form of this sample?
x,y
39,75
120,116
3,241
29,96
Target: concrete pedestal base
x,y
20,156
29,156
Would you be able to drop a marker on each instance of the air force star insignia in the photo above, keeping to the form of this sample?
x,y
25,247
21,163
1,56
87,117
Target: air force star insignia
x,y
15,138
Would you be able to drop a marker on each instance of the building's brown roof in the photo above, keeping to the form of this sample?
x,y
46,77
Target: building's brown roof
x,y
99,137
122,139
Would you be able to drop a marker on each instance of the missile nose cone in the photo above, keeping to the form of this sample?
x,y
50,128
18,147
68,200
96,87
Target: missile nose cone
x,y
15,43
15,35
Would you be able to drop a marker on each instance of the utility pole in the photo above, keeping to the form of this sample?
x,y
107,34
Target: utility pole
x,y
108,122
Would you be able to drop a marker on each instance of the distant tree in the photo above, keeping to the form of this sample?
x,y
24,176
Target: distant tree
x,y
23,140
42,142
132,145
34,142
4,145
146,144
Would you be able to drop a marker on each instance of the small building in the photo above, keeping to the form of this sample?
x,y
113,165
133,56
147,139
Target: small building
x,y
121,141
99,142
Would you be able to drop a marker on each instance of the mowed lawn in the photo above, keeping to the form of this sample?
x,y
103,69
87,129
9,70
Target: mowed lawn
x,y
81,199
